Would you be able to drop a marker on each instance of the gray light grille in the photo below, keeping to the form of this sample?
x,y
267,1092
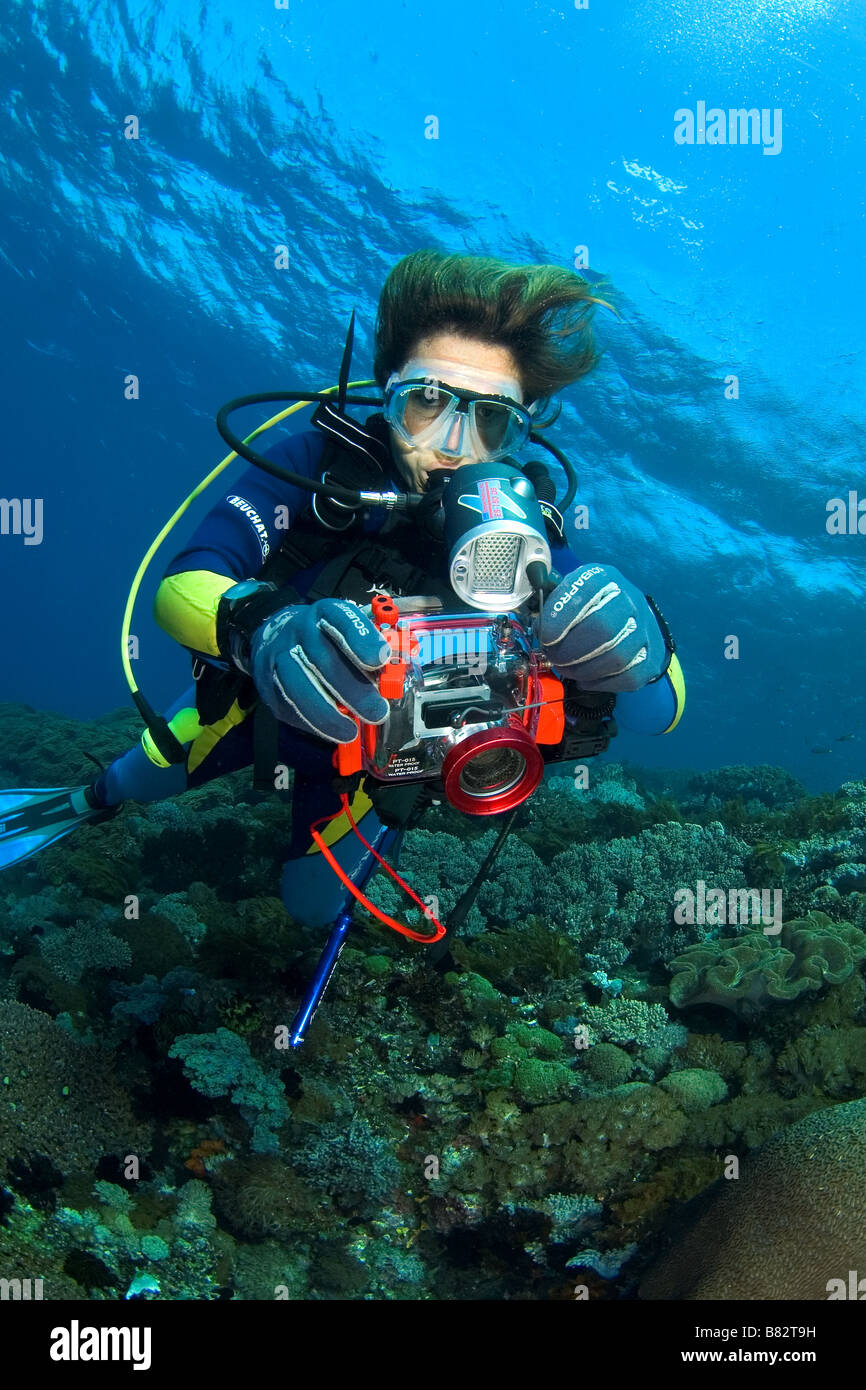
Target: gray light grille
x,y
495,563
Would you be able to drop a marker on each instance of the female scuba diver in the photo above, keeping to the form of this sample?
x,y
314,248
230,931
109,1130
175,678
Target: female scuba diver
x,y
272,593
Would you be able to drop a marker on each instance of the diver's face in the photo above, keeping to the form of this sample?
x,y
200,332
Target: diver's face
x,y
455,359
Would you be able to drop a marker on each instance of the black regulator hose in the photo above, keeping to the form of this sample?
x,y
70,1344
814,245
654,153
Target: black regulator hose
x,y
340,494
565,464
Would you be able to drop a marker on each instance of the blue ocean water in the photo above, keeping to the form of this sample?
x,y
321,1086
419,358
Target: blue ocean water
x,y
307,127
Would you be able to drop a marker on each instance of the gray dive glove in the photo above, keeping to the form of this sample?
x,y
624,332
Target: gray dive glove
x,y
306,659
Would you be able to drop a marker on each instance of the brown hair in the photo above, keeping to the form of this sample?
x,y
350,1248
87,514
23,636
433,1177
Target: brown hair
x,y
541,313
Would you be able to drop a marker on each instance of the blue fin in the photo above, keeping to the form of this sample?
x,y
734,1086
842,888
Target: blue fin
x,y
31,818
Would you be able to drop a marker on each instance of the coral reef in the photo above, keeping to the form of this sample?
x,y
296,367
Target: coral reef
x,y
529,1118
59,1098
610,890
768,786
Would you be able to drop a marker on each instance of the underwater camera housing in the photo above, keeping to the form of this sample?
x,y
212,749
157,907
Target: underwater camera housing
x,y
473,702
474,705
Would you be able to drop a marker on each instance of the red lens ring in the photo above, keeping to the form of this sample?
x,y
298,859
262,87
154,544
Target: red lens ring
x,y
463,753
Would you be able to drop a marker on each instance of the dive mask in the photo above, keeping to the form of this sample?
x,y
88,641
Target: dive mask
x,y
481,419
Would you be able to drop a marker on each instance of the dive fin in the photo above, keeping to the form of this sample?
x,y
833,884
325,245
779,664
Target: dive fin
x,y
31,818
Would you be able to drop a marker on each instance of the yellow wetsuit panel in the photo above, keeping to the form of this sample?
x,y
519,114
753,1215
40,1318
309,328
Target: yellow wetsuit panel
x,y
185,607
677,683
339,826
212,733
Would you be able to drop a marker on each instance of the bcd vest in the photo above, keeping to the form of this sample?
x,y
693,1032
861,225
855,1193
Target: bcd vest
x,y
348,563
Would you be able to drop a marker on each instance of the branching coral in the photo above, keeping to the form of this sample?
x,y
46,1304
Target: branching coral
x,y
88,946
220,1064
624,889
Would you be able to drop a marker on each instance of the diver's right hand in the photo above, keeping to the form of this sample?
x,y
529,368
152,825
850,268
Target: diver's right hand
x,y
308,658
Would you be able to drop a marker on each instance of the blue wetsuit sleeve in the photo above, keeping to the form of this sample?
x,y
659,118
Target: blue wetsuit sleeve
x,y
233,542
249,521
657,708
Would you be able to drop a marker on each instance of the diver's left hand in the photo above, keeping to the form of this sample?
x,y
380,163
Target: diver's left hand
x,y
599,630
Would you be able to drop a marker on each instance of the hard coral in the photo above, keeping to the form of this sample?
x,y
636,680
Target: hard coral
x,y
631,1020
60,1098
751,1243
352,1162
622,889
86,947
